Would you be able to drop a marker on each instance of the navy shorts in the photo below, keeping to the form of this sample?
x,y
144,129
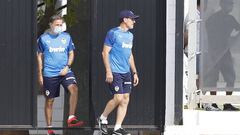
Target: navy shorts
x,y
122,83
51,85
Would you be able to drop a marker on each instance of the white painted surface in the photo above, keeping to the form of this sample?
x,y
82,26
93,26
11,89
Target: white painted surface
x,y
170,61
197,122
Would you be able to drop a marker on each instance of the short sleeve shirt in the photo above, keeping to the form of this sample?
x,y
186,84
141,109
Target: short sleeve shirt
x,y
55,49
121,43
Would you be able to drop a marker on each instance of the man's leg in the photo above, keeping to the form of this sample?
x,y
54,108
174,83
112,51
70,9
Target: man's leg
x,y
48,114
123,105
122,109
73,90
48,110
121,113
115,88
72,119
112,104
51,90
69,83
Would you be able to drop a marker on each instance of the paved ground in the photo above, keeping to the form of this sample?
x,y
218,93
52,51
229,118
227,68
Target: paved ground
x,y
199,122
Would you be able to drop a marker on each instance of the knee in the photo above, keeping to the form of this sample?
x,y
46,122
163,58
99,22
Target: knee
x,y
118,98
73,89
125,100
49,103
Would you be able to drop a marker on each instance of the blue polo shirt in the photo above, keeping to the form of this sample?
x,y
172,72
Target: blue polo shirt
x,y
55,49
121,43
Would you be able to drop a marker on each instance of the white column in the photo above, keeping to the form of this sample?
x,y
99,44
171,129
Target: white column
x,y
170,61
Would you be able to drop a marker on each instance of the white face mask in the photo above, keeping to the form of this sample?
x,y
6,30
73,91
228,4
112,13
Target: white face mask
x,y
57,29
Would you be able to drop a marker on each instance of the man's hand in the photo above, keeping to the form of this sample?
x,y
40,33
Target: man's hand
x,y
109,77
135,80
64,71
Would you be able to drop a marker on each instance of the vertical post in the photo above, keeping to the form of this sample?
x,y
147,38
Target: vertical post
x,y
192,41
178,118
170,61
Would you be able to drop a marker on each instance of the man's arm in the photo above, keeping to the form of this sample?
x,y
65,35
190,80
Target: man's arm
x,y
70,58
134,70
70,61
40,68
105,56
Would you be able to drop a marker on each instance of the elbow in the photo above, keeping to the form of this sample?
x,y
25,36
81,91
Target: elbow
x,y
104,54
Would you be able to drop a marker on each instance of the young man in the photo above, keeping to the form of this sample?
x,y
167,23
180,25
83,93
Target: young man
x,y
118,60
55,56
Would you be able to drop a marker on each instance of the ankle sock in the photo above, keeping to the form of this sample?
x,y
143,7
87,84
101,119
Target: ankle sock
x,y
71,116
103,117
117,126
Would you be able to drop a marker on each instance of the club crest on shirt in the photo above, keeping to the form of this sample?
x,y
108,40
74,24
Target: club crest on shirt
x,y
64,41
116,88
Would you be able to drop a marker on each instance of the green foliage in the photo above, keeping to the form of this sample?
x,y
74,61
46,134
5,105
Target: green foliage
x,y
50,3
40,14
43,14
71,17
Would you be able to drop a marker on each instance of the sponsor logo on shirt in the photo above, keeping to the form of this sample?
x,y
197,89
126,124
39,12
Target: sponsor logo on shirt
x,y
125,45
58,49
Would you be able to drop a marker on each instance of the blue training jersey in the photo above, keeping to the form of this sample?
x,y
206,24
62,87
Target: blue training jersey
x,y
55,49
121,43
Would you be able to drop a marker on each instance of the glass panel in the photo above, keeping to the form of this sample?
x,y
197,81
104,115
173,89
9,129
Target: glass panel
x,y
219,41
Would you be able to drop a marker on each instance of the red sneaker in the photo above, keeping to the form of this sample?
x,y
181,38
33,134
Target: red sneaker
x,y
74,122
51,132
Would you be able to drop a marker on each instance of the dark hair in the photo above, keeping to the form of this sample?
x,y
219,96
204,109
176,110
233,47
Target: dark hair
x,y
121,20
198,2
55,17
